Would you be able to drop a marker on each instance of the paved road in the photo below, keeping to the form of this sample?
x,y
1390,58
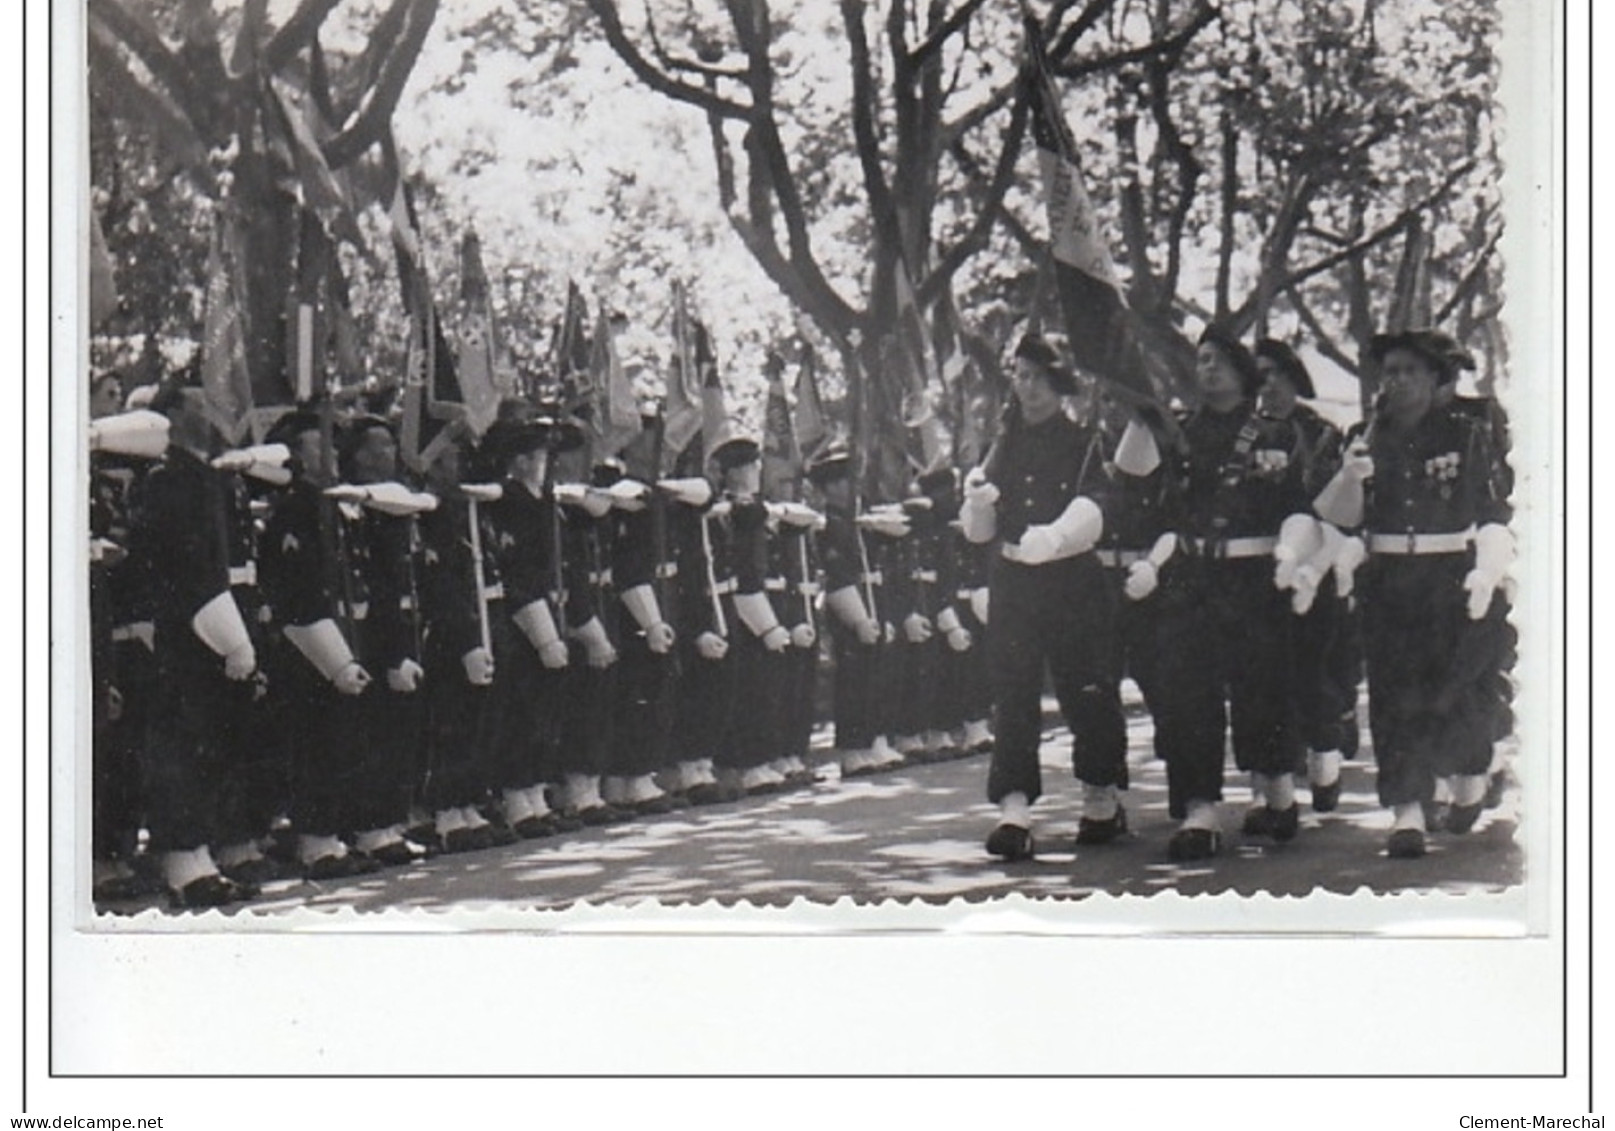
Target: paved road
x,y
917,832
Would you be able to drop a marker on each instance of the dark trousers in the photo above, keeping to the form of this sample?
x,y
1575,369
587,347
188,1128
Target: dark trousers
x,y
586,722
1060,617
1222,665
969,687
1435,677
643,739
463,726
854,690
527,698
1138,638
759,684
117,750
797,701
1321,694
186,761
919,700
705,704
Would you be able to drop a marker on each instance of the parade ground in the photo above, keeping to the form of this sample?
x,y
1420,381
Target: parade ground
x,y
916,833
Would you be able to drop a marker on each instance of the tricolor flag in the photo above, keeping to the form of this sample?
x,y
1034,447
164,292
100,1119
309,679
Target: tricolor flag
x,y
811,427
570,349
685,378
476,341
226,383
1098,324
782,457
614,411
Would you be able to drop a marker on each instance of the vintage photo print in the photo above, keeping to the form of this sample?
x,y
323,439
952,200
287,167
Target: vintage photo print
x,y
580,472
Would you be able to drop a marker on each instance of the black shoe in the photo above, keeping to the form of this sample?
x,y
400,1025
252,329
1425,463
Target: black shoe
x,y
254,873
1194,844
985,746
499,835
1405,844
426,839
117,888
210,891
652,806
1435,814
1093,830
1285,823
533,828
1258,821
467,839
596,815
1011,842
1462,818
707,793
1326,798
340,867
1495,789
398,854
676,801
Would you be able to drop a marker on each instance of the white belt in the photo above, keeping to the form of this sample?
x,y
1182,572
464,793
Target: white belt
x,y
244,574
493,592
927,575
962,594
1233,547
1455,542
722,587
1011,552
1115,558
359,611
871,578
808,589
667,570
406,603
601,577
774,584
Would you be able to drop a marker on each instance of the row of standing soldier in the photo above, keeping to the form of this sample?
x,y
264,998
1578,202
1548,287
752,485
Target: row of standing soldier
x,y
515,647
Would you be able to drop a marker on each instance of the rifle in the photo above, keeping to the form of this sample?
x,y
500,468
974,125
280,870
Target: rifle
x,y
720,625
478,574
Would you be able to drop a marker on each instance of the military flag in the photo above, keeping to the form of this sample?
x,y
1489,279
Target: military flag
x,y
811,425
910,353
323,191
782,456
1098,324
475,356
682,413
613,418
226,382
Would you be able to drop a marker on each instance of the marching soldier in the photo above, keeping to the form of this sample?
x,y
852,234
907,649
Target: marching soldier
x,y
1424,480
1322,636
528,524
1222,653
1039,494
205,657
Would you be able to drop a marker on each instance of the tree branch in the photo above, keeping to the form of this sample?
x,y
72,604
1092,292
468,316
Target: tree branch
x,y
1471,281
141,105
934,41
954,131
863,112
1060,45
360,75
382,98
296,33
1326,345
137,34
991,209
611,23
1169,47
689,66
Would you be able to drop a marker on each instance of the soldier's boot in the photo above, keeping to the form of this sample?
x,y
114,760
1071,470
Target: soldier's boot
x,y
911,748
584,802
857,763
940,746
884,756
1011,839
389,847
1103,819
1468,799
978,737
759,779
326,857
1323,774
194,881
643,795
1406,841
1199,837
245,863
113,879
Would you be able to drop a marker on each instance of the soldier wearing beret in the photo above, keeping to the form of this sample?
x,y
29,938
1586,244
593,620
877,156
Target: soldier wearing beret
x,y
793,589
1040,495
1424,481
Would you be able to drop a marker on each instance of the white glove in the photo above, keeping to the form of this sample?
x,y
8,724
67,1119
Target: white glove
x,y
1299,539
959,639
777,639
1357,464
917,628
1039,544
978,490
478,664
1494,553
1305,586
869,632
979,603
406,677
352,679
553,655
889,632
597,649
241,663
1142,578
659,637
711,646
803,636
977,518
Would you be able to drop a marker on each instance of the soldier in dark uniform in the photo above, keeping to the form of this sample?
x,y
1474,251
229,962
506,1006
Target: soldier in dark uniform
x,y
1323,637
528,525
123,663
1040,495
205,655
793,587
758,640
643,568
704,690
968,679
1222,651
855,630
468,637
932,632
1425,481
591,614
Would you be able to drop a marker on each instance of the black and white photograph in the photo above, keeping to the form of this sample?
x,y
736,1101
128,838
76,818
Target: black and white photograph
x,y
977,465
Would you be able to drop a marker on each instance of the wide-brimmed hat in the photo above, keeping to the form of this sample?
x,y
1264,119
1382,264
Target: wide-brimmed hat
x,y
737,451
1036,349
1441,350
1289,364
1250,378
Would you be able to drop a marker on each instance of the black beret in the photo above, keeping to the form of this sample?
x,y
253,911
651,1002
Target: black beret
x,y
292,425
736,451
607,472
1038,351
1441,350
1281,355
831,462
1235,352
